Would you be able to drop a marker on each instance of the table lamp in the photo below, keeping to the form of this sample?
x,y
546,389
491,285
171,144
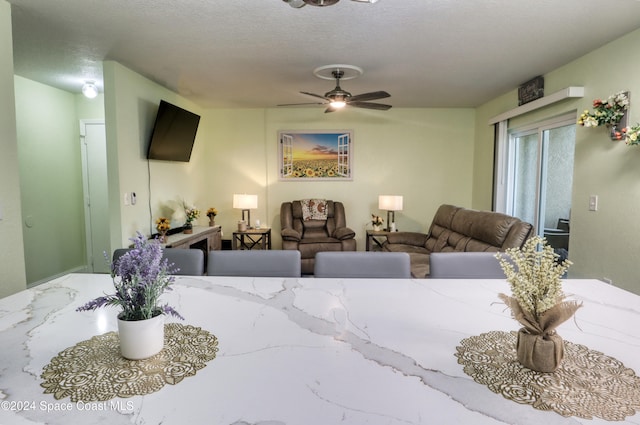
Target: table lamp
x,y
246,203
391,203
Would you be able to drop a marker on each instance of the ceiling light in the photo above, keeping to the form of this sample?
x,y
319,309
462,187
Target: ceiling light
x,y
89,90
338,104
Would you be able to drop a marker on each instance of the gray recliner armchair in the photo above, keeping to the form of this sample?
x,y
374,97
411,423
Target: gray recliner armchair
x,y
311,234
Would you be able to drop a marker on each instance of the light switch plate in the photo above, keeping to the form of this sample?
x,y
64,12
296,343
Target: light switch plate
x,y
593,203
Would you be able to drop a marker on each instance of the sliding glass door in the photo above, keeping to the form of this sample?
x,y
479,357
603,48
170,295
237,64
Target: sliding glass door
x,y
526,164
539,171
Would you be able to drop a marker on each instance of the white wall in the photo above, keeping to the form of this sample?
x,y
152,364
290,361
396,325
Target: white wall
x,y
12,277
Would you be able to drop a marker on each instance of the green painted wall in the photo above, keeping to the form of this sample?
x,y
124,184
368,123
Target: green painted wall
x,y
425,155
12,277
604,243
50,180
131,103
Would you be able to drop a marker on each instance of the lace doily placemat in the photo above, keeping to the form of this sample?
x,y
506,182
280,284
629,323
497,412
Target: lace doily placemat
x,y
587,383
94,370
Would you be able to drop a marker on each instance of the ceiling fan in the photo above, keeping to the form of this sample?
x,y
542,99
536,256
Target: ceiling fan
x,y
339,98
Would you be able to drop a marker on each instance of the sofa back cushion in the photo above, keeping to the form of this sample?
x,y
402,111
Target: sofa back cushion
x,y
439,231
460,229
489,227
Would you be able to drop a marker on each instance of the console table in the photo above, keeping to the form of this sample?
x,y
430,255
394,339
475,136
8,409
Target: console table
x,y
205,238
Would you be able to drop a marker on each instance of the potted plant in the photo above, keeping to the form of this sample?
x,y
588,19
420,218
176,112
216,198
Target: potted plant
x,y
376,221
191,213
140,277
212,213
538,302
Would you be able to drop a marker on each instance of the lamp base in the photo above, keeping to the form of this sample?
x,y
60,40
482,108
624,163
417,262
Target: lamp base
x,y
391,218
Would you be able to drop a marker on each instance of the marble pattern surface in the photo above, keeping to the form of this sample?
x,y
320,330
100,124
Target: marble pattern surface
x,y
304,351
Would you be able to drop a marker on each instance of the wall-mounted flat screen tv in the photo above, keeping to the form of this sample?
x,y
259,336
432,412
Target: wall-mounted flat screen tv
x,y
173,133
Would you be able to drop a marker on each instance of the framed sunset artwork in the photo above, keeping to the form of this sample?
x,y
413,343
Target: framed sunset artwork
x,y
315,155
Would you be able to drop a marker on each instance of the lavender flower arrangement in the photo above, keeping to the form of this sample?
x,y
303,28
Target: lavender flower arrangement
x,y
140,277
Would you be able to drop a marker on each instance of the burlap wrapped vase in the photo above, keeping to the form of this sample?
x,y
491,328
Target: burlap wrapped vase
x,y
542,353
539,347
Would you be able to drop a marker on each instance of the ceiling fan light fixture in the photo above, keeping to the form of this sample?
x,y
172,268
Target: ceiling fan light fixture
x,y
89,90
338,98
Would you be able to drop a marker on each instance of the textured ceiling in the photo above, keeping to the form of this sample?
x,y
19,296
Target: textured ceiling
x,y
260,53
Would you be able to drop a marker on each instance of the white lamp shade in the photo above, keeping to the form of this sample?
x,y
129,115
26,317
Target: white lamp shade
x,y
390,202
245,202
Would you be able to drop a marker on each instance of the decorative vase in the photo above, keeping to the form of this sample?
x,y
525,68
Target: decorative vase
x,y
614,133
212,221
542,353
377,227
187,228
141,339
163,237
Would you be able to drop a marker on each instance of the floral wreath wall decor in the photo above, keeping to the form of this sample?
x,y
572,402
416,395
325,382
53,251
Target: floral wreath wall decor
x,y
612,113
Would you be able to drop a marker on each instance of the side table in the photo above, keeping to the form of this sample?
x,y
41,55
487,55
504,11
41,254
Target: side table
x,y
250,238
375,239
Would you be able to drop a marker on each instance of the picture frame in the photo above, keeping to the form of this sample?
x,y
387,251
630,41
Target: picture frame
x,y
315,155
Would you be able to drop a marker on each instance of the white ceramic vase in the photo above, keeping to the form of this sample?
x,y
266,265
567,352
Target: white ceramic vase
x,y
141,339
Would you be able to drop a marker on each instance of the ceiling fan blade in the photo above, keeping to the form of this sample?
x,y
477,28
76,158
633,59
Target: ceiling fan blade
x,y
330,109
369,96
370,105
314,95
302,104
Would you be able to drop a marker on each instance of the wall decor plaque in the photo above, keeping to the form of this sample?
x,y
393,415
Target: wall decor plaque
x,y
531,90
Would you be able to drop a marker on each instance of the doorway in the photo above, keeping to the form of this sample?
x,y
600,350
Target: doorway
x,y
96,197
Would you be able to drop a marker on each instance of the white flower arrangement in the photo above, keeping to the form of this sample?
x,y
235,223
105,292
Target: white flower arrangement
x,y
538,301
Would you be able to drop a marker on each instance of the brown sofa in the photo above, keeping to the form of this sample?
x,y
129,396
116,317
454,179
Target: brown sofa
x,y
312,235
459,229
